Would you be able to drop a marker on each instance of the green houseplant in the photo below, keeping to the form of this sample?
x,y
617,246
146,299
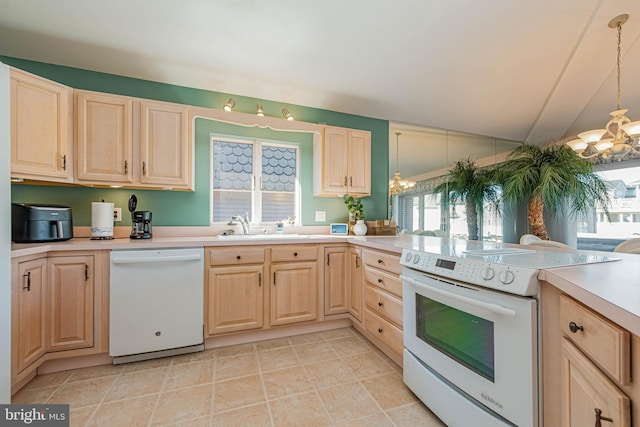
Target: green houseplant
x,y
354,205
472,185
550,178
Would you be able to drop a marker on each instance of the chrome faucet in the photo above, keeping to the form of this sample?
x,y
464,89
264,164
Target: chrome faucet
x,y
244,222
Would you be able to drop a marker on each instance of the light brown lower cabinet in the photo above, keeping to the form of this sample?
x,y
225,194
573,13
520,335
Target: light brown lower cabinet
x,y
356,277
235,298
587,364
234,289
70,302
59,309
382,296
336,280
28,292
588,396
294,292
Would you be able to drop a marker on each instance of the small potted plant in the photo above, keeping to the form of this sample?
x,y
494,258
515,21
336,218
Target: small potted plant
x,y
356,212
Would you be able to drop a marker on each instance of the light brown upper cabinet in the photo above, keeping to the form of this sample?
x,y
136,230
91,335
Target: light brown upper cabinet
x,y
104,138
132,142
342,163
41,128
165,146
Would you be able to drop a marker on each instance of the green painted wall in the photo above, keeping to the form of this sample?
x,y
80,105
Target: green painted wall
x,y
192,208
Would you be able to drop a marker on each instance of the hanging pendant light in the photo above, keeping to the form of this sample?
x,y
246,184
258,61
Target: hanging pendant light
x,y
620,136
397,184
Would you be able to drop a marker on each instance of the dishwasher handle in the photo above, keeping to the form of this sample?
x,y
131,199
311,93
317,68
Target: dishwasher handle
x,y
151,260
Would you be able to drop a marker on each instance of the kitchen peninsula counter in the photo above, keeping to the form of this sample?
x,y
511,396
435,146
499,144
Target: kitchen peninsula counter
x,y
610,288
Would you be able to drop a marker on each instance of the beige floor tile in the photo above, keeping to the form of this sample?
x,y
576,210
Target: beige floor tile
x,y
273,343
389,391
236,366
147,364
286,382
413,415
279,358
80,416
189,375
83,393
183,404
306,338
349,346
194,357
237,392
136,384
254,416
315,352
376,420
347,402
338,333
329,373
131,413
367,365
299,410
194,422
101,371
36,395
234,350
48,380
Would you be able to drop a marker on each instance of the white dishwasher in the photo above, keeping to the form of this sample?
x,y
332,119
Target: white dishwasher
x,y
156,303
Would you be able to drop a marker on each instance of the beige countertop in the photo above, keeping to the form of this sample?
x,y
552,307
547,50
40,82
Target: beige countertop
x,y
611,288
387,243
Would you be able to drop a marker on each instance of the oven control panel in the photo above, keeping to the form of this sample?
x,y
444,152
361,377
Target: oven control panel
x,y
503,277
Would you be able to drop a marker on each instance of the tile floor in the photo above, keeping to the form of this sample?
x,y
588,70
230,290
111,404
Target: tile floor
x,y
331,378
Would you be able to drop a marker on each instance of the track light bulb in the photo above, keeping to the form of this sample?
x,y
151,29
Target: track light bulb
x,y
287,115
229,105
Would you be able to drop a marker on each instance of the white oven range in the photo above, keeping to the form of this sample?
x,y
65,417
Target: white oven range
x,y
470,318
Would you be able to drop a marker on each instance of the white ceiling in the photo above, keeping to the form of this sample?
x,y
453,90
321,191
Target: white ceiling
x,y
522,70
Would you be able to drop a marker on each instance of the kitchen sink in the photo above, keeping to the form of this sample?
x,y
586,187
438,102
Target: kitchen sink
x,y
263,236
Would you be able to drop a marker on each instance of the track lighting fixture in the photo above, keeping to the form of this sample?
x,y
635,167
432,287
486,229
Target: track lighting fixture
x,y
229,105
260,111
287,115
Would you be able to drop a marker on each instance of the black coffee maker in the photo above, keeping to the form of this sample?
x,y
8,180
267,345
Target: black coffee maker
x,y
140,221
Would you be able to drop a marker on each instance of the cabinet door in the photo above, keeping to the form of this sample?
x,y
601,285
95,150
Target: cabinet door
x,y
334,161
586,390
70,302
336,280
28,327
165,146
234,300
104,133
359,162
41,135
294,292
355,283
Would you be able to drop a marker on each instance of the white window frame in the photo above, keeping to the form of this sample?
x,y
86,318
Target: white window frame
x,y
256,190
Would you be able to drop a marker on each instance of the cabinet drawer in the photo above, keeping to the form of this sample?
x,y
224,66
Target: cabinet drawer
x,y
294,253
387,262
384,331
383,304
235,255
602,341
382,280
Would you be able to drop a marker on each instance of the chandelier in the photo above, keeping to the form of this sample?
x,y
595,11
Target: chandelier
x,y
620,136
397,184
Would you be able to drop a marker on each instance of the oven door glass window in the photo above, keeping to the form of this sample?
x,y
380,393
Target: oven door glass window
x,y
466,338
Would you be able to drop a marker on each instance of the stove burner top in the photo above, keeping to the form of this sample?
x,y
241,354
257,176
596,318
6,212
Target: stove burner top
x,y
491,265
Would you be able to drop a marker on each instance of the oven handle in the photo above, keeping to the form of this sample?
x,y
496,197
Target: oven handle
x,y
494,308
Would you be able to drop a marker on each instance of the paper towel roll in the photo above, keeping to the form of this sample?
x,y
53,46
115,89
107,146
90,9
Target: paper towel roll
x,y
101,219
